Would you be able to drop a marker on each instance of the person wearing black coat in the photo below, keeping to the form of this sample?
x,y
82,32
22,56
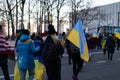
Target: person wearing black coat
x,y
51,54
110,46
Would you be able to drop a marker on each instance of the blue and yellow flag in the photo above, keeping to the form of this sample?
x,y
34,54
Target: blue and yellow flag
x,y
95,34
39,67
39,70
77,37
117,33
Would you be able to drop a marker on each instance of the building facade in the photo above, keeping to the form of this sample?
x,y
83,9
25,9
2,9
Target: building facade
x,y
111,21
112,18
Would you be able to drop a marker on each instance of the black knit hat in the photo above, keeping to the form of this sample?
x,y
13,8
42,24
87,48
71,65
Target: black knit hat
x,y
25,31
51,29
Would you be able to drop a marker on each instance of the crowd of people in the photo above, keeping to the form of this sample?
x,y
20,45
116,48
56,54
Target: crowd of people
x,y
51,50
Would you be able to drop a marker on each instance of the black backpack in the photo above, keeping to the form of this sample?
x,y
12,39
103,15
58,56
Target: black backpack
x,y
73,48
49,51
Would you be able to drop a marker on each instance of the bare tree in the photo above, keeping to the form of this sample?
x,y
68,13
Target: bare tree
x,y
60,3
11,18
49,7
22,9
85,12
76,5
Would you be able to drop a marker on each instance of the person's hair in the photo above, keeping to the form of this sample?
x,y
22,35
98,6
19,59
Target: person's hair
x,y
24,31
51,29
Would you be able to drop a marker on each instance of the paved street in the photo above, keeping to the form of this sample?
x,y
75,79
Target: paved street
x,y
99,68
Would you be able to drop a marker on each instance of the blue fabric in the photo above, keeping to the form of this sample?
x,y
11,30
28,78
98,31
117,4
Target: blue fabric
x,y
118,30
39,57
25,52
60,36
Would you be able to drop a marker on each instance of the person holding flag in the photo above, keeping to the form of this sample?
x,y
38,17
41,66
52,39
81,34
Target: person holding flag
x,y
25,48
78,41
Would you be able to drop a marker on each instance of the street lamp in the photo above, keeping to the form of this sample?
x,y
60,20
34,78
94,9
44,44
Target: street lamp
x,y
118,18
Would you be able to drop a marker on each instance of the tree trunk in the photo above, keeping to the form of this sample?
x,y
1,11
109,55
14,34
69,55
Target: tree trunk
x,y
58,24
16,15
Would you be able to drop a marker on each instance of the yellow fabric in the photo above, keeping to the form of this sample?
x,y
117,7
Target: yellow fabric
x,y
77,37
16,72
62,41
85,55
95,35
27,41
103,44
74,37
39,70
117,35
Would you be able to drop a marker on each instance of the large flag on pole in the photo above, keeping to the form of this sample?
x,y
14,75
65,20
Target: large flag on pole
x,y
98,26
77,37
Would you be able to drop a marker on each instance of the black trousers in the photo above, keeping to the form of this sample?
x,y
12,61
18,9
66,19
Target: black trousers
x,y
110,55
69,56
77,63
4,65
53,70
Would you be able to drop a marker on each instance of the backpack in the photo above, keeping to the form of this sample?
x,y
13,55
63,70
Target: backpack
x,y
73,48
49,52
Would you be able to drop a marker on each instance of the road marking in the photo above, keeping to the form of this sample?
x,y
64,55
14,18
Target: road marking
x,y
101,61
11,75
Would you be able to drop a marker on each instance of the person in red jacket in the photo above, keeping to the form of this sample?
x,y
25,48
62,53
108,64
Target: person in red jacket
x,y
3,54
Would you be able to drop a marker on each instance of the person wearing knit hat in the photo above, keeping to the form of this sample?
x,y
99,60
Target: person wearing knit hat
x,y
51,29
51,53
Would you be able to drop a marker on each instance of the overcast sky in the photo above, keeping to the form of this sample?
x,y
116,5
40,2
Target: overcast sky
x,y
104,2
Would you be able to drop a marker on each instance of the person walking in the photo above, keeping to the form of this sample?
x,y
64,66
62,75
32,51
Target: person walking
x,y
110,44
67,45
77,61
25,48
104,40
4,54
51,54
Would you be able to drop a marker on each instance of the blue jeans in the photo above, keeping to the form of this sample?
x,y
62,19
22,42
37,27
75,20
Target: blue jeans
x,y
23,74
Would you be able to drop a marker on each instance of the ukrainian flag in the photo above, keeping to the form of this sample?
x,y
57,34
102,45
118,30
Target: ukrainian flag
x,y
95,34
39,70
77,37
39,67
117,33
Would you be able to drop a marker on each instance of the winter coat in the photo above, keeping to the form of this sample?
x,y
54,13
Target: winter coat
x,y
25,48
92,43
110,44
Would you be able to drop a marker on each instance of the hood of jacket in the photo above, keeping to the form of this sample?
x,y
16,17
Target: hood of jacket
x,y
24,37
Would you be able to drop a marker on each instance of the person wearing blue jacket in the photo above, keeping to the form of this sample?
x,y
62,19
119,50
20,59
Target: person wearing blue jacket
x,y
25,49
